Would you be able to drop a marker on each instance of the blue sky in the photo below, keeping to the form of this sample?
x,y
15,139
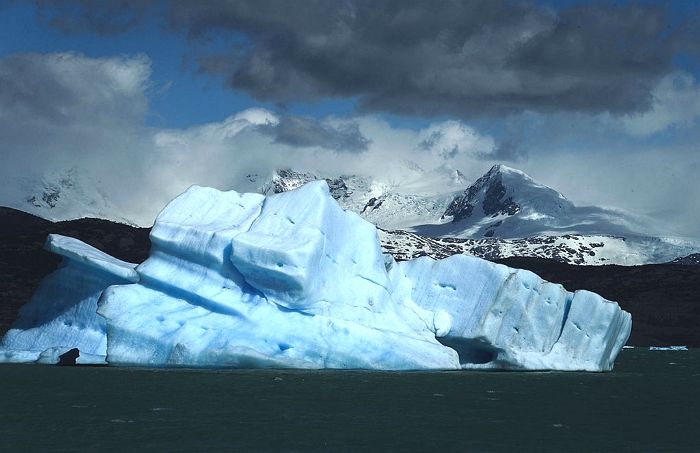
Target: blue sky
x,y
592,101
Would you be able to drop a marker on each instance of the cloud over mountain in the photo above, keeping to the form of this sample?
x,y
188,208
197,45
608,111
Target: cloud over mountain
x,y
302,132
66,112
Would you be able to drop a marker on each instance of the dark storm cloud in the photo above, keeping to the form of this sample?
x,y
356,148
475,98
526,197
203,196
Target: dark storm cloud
x,y
300,132
64,89
463,58
102,16
26,85
57,107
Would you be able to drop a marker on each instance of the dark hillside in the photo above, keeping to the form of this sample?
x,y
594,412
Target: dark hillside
x,y
24,262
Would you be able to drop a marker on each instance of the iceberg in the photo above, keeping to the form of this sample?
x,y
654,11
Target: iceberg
x,y
292,280
62,313
512,319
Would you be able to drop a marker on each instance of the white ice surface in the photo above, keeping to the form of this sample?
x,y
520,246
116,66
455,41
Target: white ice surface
x,y
62,312
50,356
83,253
510,318
290,280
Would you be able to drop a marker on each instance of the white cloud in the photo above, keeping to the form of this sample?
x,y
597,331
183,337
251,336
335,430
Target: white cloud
x,y
56,108
676,103
60,111
62,108
450,139
216,132
63,88
656,182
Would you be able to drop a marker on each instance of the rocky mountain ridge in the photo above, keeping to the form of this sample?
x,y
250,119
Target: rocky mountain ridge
x,y
591,250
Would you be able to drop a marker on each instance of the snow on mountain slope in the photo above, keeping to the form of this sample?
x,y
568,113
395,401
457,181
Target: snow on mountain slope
x,y
504,213
392,204
568,248
507,203
504,203
61,195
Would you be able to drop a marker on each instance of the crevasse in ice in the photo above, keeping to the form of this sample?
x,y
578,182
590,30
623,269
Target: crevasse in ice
x,y
292,280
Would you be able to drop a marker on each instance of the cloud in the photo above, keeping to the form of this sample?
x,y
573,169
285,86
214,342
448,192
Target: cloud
x,y
449,139
676,103
63,88
260,141
51,105
102,16
673,118
306,132
466,59
508,149
65,111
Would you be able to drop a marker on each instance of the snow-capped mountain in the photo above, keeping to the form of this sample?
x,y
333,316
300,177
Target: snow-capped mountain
x,y
61,195
504,213
503,203
507,203
437,213
419,198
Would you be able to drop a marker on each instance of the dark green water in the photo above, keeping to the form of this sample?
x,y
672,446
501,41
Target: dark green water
x,y
651,402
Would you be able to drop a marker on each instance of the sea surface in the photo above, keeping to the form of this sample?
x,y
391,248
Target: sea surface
x,y
649,403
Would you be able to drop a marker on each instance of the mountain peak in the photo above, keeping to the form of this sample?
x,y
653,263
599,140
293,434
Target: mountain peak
x,y
503,202
489,192
495,169
500,169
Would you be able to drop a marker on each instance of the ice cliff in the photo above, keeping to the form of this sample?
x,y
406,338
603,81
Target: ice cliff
x,y
292,280
62,313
